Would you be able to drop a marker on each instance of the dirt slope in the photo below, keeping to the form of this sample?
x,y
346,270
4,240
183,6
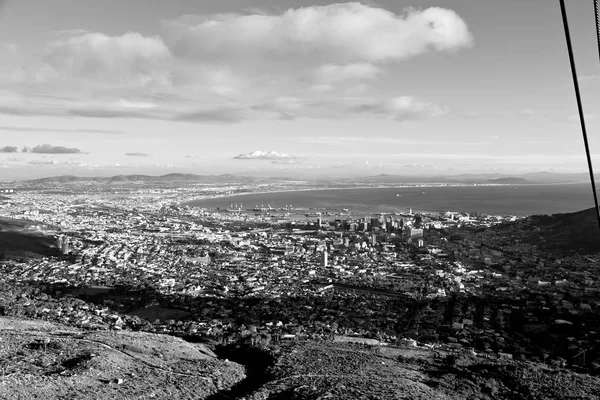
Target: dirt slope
x,y
335,371
49,361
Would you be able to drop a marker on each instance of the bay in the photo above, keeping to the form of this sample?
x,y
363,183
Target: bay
x,y
518,200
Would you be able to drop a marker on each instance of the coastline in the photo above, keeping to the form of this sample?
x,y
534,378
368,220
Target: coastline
x,y
453,206
424,185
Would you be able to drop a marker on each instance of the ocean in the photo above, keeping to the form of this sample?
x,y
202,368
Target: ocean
x,y
518,200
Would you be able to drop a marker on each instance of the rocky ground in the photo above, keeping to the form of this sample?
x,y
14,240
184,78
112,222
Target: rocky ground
x,y
45,360
50,361
321,370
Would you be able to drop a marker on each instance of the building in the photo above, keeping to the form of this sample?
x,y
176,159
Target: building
x,y
62,243
66,248
324,260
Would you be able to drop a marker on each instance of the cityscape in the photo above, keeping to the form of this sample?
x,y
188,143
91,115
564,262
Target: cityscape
x,y
299,200
447,282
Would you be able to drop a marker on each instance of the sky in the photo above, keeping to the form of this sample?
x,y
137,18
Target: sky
x,y
294,87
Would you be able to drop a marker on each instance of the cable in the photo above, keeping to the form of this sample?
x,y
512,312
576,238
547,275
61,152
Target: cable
x,y
579,106
597,9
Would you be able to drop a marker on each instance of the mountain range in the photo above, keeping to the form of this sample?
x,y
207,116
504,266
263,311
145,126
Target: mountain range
x,y
529,178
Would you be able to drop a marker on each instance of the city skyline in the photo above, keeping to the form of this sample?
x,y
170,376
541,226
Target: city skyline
x,y
302,88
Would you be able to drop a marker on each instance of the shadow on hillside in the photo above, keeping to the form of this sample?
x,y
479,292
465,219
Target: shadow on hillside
x,y
18,245
576,232
226,319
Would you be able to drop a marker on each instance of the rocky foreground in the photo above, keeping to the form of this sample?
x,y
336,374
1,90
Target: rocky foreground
x,y
51,361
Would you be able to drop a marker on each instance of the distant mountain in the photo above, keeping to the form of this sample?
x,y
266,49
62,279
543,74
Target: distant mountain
x,y
175,177
467,179
495,178
390,179
510,181
555,177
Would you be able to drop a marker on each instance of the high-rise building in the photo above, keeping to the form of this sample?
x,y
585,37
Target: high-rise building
x,y
65,248
324,259
374,223
389,225
418,220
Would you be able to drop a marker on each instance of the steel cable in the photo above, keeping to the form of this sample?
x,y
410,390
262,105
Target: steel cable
x,y
579,105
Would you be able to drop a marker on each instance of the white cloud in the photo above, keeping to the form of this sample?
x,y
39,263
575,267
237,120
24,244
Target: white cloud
x,y
330,73
128,59
264,155
9,47
347,32
526,112
135,104
356,90
322,88
401,108
42,162
307,62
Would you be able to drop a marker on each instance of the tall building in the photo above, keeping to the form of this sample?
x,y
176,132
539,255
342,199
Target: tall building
x,y
65,245
374,223
389,225
418,221
324,259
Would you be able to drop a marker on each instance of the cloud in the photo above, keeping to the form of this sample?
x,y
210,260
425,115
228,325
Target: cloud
x,y
34,129
9,47
351,32
471,114
285,161
8,149
136,154
111,113
42,162
347,37
264,155
402,108
10,110
308,62
322,88
128,59
214,114
526,112
336,73
49,149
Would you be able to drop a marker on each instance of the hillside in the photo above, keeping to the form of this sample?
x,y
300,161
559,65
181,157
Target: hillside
x,y
51,361
40,359
510,181
16,240
336,371
570,232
